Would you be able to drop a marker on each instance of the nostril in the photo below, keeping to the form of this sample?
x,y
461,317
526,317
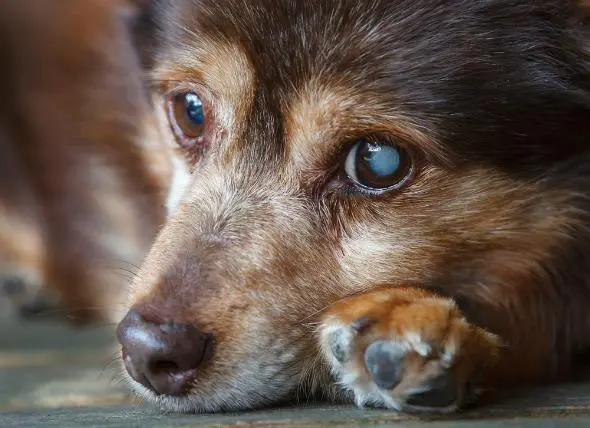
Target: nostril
x,y
166,367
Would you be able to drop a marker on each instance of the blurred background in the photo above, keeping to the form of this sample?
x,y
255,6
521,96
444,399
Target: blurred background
x,y
82,182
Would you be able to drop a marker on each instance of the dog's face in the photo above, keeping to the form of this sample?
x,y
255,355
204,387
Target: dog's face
x,y
326,148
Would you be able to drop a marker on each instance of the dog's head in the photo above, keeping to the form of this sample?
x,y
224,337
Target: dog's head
x,y
325,148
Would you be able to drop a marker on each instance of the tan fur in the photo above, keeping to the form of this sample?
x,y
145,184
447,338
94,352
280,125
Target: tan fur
x,y
332,114
467,269
245,256
430,329
221,72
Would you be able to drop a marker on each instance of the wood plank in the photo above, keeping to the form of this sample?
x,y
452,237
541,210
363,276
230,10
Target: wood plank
x,y
51,376
133,416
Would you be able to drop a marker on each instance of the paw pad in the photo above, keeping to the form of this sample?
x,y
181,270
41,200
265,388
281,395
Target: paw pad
x,y
384,361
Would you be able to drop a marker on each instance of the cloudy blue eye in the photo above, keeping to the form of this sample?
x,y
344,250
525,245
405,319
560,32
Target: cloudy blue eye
x,y
377,165
187,117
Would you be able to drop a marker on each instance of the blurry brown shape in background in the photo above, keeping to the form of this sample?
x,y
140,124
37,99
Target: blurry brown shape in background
x,y
81,184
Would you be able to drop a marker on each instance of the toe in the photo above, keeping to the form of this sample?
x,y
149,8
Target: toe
x,y
339,341
438,392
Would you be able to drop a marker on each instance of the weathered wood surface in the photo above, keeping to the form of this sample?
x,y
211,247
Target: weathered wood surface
x,y
54,377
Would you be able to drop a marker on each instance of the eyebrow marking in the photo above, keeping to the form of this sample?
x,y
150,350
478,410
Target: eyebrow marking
x,y
321,116
221,70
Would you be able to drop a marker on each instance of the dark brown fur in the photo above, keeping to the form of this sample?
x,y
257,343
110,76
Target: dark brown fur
x,y
495,98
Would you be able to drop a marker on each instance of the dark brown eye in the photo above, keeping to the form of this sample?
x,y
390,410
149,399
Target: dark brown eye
x,y
187,117
378,166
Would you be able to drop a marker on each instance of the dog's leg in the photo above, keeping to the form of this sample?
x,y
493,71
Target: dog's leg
x,y
406,349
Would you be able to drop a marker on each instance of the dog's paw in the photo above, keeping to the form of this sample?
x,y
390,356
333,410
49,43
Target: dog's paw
x,y
405,349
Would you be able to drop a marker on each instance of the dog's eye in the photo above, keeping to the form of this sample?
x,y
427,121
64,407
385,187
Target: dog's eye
x,y
187,117
378,165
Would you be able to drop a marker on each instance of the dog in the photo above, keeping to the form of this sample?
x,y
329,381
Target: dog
x,y
381,202
82,175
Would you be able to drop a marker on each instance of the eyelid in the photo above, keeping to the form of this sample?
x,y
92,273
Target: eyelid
x,y
404,133
180,90
346,144
174,87
163,84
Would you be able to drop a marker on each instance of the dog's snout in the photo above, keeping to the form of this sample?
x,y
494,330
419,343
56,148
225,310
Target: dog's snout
x,y
162,357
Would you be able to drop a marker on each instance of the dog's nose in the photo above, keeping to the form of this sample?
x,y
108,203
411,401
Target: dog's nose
x,y
162,357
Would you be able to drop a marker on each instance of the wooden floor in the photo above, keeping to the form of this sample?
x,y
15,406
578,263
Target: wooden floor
x,y
54,377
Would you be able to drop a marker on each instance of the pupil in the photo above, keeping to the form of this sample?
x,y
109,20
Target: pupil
x,y
194,109
381,160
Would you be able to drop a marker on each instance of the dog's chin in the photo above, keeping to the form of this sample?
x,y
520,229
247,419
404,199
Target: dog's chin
x,y
224,400
178,404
